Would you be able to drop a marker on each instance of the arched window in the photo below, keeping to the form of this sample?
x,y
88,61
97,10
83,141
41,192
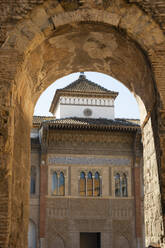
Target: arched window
x,y
33,180
82,184
32,240
124,185
61,184
89,184
117,185
97,184
55,183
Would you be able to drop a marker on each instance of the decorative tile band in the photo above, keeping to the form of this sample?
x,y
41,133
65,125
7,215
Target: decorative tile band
x,y
89,161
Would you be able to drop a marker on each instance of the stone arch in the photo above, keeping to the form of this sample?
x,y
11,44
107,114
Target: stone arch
x,y
120,52
113,15
30,34
126,44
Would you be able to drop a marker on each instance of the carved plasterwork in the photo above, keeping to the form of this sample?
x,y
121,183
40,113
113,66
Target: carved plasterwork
x,y
56,233
90,225
121,213
120,171
124,228
63,138
58,170
89,208
57,212
87,169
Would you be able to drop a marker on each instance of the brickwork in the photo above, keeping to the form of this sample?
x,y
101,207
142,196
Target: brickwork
x,y
153,8
153,216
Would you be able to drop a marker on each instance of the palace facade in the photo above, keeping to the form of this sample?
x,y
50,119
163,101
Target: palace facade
x,y
86,173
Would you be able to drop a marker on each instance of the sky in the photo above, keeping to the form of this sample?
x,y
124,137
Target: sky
x,y
125,103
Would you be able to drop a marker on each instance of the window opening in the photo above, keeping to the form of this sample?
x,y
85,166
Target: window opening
x,y
55,183
82,184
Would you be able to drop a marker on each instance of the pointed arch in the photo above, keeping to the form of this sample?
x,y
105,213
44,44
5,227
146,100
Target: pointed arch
x,y
61,184
89,184
82,184
97,184
124,185
55,183
117,185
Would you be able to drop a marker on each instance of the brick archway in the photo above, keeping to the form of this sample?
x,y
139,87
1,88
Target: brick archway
x,y
121,41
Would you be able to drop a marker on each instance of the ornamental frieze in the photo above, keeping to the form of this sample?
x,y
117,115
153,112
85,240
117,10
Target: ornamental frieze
x,y
58,212
88,161
61,138
121,212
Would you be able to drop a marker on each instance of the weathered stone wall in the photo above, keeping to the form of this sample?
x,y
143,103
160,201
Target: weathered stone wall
x,y
12,12
154,229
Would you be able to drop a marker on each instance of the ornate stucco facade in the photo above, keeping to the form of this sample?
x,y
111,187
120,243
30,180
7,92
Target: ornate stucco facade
x,y
81,149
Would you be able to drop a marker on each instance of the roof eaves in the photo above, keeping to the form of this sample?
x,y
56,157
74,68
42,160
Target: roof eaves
x,y
91,126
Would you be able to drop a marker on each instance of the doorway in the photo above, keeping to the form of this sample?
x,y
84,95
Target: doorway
x,y
90,240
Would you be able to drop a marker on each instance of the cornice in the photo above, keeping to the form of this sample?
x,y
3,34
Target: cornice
x,y
95,127
64,93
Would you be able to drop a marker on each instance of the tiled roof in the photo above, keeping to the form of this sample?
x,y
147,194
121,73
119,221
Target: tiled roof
x,y
39,119
84,85
133,121
81,87
88,123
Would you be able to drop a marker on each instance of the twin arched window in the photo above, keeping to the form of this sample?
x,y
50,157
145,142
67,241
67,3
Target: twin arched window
x,y
90,185
121,185
58,183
